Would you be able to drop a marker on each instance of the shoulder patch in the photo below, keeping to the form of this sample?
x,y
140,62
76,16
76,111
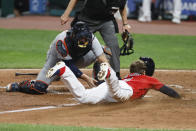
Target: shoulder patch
x,y
60,47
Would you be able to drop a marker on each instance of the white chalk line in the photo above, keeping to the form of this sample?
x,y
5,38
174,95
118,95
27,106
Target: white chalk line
x,y
148,96
40,108
58,92
176,86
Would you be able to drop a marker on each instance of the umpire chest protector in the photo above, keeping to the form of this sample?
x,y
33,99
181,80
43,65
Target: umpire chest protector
x,y
102,9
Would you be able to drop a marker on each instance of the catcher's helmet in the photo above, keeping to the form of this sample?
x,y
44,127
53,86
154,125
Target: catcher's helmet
x,y
81,34
150,65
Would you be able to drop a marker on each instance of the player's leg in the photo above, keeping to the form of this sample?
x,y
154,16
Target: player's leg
x,y
177,11
120,89
91,96
68,77
145,13
28,86
50,62
38,86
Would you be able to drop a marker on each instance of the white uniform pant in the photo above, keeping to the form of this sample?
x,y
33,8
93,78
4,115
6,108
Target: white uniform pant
x,y
101,93
146,8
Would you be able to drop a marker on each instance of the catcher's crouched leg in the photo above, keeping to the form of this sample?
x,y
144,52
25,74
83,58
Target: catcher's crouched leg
x,y
28,86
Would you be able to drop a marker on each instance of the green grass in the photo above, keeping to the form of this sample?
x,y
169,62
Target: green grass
x,y
24,48
168,52
23,127
28,49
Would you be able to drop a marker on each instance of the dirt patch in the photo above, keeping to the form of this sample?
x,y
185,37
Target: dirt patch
x,y
53,23
154,111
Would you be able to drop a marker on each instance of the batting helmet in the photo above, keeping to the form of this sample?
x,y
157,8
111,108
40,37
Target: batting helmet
x,y
150,65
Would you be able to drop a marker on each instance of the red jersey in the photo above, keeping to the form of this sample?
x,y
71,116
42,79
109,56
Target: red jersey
x,y
141,84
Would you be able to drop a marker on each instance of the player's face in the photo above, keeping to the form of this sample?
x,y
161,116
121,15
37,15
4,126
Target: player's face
x,y
82,42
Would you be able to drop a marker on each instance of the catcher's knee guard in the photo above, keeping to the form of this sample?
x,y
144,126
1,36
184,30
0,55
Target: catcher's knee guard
x,y
33,87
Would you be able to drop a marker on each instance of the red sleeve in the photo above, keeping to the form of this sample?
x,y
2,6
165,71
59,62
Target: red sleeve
x,y
156,84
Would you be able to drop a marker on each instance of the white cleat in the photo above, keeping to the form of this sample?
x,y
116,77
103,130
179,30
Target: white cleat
x,y
145,19
176,21
58,70
8,88
104,71
12,87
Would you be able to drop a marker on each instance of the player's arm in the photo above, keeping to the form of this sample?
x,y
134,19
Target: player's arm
x,y
73,68
123,13
90,81
169,91
65,16
102,58
80,74
98,51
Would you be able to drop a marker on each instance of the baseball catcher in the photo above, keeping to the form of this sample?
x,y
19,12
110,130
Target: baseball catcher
x,y
77,48
99,16
134,86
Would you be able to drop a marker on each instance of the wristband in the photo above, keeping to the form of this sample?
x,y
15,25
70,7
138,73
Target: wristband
x,y
127,25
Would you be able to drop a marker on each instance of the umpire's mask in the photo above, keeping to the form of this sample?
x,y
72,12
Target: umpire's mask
x,y
81,34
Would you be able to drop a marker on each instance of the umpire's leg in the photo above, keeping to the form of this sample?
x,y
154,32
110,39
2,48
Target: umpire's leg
x,y
108,34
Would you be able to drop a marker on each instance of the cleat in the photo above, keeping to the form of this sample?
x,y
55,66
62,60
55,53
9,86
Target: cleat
x,y
8,88
104,71
145,19
12,87
176,20
57,70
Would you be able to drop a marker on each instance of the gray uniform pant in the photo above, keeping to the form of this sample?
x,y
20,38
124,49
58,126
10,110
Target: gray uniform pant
x,y
84,61
107,31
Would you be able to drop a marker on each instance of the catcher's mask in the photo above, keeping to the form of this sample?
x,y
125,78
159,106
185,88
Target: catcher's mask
x,y
150,65
81,34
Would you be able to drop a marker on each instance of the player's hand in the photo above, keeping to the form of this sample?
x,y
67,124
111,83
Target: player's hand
x,y
126,27
64,19
91,82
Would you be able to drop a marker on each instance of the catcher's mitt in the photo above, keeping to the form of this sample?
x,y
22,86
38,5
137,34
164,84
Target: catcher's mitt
x,y
127,47
150,65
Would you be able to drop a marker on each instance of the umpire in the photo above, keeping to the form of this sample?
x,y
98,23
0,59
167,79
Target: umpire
x,y
99,16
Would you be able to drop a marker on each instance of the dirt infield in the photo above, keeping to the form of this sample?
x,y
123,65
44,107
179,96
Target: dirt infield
x,y
156,111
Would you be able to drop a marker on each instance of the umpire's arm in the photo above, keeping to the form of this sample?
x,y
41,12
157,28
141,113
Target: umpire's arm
x,y
65,16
